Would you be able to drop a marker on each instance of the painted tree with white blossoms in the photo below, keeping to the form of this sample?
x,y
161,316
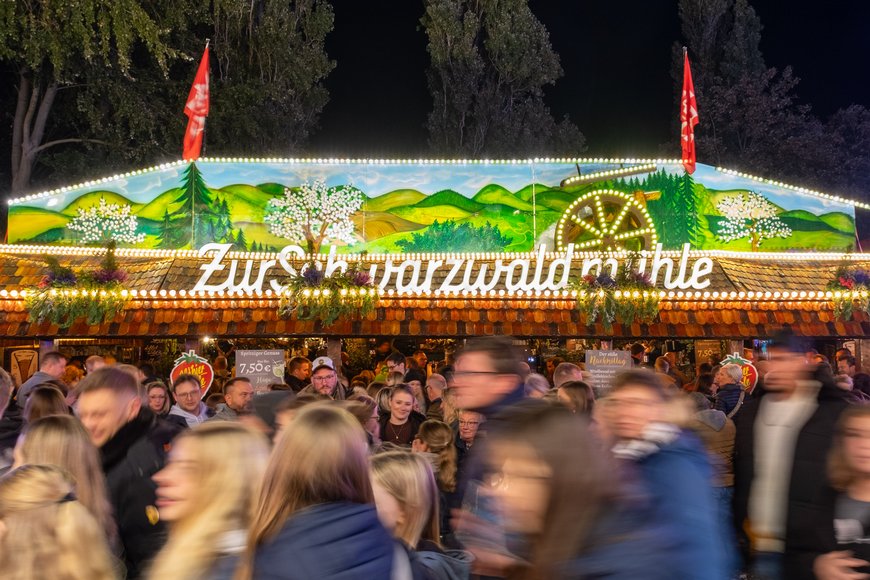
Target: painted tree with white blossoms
x,y
752,216
315,213
107,222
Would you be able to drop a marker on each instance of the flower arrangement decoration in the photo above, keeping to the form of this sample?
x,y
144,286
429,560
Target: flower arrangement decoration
x,y
851,288
626,298
64,296
311,295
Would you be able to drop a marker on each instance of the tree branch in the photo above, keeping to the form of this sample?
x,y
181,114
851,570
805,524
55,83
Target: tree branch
x,y
42,116
44,146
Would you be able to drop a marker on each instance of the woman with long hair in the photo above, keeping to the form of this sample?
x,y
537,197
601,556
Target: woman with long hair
x,y
400,425
565,509
438,439
315,515
406,496
61,440
842,549
577,396
43,401
206,493
47,532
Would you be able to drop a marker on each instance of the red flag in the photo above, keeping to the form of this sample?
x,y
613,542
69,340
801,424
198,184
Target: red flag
x,y
196,110
688,117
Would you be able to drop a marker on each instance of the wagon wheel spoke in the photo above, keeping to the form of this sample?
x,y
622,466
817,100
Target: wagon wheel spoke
x,y
586,225
619,217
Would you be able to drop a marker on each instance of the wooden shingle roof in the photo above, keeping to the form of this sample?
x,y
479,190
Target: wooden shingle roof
x,y
729,316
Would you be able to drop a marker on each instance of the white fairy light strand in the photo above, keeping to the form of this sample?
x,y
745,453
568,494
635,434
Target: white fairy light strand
x,y
442,161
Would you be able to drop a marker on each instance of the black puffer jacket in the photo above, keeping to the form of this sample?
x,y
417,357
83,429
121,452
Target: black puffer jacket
x,y
136,452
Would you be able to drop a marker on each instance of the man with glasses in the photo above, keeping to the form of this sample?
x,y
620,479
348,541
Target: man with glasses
x,y
324,380
396,363
188,405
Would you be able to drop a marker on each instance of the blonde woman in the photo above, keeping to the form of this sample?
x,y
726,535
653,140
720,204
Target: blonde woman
x,y
47,533
315,515
61,440
436,438
206,493
407,499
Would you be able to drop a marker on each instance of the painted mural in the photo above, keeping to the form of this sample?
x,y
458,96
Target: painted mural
x,y
430,207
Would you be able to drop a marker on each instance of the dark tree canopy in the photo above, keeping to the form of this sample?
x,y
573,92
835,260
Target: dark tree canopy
x,y
490,62
751,117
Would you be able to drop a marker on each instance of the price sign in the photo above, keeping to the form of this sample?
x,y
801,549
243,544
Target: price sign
x,y
262,367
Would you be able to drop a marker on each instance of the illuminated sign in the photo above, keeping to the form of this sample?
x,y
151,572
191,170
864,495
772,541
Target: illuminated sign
x,y
450,274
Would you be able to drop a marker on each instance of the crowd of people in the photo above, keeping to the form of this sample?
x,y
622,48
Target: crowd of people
x,y
477,468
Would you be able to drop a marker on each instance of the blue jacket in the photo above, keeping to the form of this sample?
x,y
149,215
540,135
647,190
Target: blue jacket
x,y
625,543
728,396
678,479
334,541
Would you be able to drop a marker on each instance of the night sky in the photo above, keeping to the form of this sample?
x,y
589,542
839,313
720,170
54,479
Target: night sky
x,y
616,56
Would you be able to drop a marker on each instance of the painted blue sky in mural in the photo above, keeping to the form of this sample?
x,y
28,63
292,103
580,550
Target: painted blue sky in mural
x,y
377,179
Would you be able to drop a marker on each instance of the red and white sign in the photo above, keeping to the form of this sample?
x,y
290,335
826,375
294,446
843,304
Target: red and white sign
x,y
191,363
750,373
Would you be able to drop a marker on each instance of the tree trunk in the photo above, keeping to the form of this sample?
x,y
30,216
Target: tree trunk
x,y
756,239
32,110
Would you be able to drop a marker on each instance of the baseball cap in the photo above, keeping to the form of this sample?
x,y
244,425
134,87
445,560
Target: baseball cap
x,y
322,361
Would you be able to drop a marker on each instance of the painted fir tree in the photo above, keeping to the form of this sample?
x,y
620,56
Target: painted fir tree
x,y
315,213
195,208
752,216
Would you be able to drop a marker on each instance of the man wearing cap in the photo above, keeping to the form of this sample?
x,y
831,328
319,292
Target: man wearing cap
x,y
324,380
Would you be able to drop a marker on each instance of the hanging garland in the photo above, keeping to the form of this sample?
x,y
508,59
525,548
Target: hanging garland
x,y
311,295
64,296
627,298
851,287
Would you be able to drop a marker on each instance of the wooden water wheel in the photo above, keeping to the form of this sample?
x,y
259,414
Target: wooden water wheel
x,y
607,220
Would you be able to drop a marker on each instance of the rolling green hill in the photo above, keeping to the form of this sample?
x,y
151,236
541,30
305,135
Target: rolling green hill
x,y
157,207
93,198
29,222
447,197
525,193
427,215
800,214
247,203
839,221
376,224
555,200
274,189
397,198
494,194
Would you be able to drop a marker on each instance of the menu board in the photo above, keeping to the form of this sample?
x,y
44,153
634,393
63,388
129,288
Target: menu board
x,y
604,365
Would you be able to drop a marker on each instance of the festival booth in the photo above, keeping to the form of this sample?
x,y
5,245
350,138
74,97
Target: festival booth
x,y
544,248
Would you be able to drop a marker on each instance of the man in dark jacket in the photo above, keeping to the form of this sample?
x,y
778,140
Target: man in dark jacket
x,y
780,460
298,373
133,444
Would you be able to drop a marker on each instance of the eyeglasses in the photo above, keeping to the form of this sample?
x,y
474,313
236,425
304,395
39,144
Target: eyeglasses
x,y
189,395
468,423
322,379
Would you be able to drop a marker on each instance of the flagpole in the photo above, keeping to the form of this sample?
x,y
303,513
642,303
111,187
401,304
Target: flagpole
x,y
207,42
